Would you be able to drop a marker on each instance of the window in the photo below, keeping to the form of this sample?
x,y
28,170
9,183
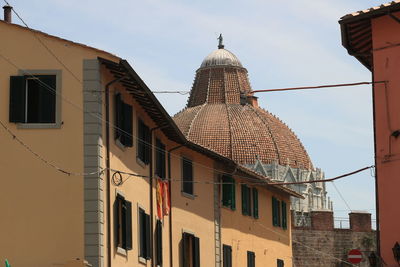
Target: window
x,y
249,201
123,223
160,159
144,140
227,256
159,254
246,200
279,213
144,235
280,263
34,100
284,215
123,122
255,203
228,192
190,250
187,176
251,259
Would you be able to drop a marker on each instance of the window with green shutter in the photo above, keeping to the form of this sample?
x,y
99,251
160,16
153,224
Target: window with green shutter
x,y
255,203
284,215
246,200
123,223
123,122
160,159
228,192
251,259
276,212
144,142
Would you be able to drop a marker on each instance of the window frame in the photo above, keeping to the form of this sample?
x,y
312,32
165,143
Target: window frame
x,y
160,148
224,249
31,73
144,250
195,250
251,259
123,121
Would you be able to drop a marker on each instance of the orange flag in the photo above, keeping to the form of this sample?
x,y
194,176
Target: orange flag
x,y
159,195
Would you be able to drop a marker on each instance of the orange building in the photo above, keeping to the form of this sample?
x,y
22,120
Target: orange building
x,y
96,173
373,36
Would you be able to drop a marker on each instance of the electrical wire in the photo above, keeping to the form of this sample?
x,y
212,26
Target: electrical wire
x,y
341,196
171,92
316,87
43,159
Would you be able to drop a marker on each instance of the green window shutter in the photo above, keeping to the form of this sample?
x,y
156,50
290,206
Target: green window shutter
x,y
147,235
274,223
159,258
233,194
284,215
278,213
244,199
128,225
17,99
255,203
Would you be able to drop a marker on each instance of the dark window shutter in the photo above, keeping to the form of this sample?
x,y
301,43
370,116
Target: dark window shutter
x,y
284,215
118,216
233,194
159,257
280,263
160,159
250,259
185,247
278,213
147,145
227,256
128,225
118,116
142,233
127,126
274,217
244,200
47,99
226,192
196,252
255,203
17,99
187,179
147,231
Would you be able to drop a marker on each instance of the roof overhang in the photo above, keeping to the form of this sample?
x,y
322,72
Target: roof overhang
x,y
356,31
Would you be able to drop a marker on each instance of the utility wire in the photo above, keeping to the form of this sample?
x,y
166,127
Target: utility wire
x,y
316,87
341,196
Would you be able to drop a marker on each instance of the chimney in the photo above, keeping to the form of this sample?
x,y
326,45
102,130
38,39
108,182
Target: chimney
x,y
7,13
360,221
252,100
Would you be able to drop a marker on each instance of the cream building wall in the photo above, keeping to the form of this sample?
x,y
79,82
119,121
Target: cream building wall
x,y
42,209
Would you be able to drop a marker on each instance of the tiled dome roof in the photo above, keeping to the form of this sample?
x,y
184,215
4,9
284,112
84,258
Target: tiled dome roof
x,y
223,116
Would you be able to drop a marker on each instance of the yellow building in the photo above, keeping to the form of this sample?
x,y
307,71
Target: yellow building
x,y
96,173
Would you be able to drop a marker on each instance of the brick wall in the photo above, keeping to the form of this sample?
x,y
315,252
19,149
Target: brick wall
x,y
322,245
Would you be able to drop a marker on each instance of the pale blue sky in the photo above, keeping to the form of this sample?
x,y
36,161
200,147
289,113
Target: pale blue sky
x,y
281,43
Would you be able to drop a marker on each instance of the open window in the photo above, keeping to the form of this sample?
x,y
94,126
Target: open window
x,y
227,256
34,100
190,250
251,259
280,263
123,223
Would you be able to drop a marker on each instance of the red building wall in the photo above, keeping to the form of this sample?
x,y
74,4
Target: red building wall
x,y
386,67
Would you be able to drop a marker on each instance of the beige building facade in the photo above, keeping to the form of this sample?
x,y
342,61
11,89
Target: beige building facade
x,y
96,173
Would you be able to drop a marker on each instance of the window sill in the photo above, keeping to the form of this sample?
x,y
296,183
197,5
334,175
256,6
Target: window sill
x,y
120,145
140,162
187,195
122,251
56,125
142,260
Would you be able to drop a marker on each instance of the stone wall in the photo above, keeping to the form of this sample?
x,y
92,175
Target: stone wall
x,y
323,245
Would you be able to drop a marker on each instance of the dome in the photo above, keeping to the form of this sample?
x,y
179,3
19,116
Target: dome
x,y
224,116
221,57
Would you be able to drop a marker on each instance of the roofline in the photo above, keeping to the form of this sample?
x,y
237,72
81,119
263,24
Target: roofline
x,y
58,38
376,12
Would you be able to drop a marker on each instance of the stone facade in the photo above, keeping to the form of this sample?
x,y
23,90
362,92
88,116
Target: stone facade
x,y
315,194
322,245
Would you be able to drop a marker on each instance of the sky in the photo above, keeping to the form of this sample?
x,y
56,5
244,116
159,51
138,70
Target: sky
x,y
282,44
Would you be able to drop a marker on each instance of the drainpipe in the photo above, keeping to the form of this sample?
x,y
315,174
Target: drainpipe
x,y
107,107
378,232
170,202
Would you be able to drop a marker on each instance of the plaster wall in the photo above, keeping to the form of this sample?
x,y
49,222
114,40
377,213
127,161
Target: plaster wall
x,y
386,65
42,209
